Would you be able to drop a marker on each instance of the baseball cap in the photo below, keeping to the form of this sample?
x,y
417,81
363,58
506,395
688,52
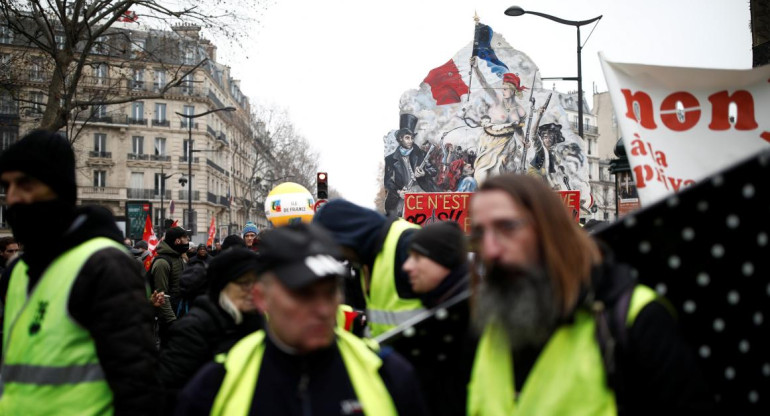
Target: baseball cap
x,y
299,255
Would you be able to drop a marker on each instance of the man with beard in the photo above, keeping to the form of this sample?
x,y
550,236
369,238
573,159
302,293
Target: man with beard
x,y
552,341
402,168
77,328
166,271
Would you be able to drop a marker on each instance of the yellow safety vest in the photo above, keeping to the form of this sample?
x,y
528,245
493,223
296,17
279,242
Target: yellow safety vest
x,y
243,363
384,308
50,366
567,378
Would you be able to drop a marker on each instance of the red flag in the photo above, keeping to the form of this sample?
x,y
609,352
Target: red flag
x,y
152,241
212,232
128,16
446,84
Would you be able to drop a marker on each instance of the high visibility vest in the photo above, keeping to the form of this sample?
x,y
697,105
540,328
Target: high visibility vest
x,y
50,366
243,363
384,308
567,378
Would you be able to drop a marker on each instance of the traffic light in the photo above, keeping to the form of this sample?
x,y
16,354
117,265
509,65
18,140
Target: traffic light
x,y
322,187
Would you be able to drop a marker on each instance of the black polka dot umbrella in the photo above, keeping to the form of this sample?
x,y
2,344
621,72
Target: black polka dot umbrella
x,y
706,250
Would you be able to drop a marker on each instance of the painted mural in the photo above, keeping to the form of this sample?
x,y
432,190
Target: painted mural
x,y
482,113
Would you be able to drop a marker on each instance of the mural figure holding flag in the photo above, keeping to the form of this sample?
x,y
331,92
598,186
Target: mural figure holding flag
x,y
408,168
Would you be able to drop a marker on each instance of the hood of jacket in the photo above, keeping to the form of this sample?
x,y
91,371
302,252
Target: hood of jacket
x,y
353,226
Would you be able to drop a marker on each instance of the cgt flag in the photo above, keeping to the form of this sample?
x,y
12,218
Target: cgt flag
x,y
152,241
212,233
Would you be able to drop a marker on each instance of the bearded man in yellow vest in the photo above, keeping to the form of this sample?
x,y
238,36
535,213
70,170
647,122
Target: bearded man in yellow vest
x,y
77,331
565,329
377,248
302,363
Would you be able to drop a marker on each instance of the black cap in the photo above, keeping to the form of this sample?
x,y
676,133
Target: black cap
x,y
141,244
175,232
299,255
442,242
233,241
228,266
46,156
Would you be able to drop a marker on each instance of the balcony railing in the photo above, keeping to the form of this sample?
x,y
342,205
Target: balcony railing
x,y
211,131
161,123
141,193
137,156
94,153
137,85
99,190
184,159
195,195
222,137
587,128
215,166
160,158
108,119
138,121
223,201
211,197
183,124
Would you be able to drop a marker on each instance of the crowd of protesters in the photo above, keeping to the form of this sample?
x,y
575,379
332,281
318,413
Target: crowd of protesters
x,y
260,324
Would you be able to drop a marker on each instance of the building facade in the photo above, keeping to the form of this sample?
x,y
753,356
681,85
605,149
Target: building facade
x,y
134,146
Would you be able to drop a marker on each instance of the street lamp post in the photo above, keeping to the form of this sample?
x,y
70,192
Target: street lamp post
x,y
190,152
518,11
163,178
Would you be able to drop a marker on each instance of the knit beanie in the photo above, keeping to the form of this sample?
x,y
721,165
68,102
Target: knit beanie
x,y
228,266
250,228
46,156
233,241
442,242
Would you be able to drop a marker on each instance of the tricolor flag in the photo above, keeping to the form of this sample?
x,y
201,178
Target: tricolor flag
x,y
482,48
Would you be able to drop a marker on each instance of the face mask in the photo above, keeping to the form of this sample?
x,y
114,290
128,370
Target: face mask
x,y
38,222
181,248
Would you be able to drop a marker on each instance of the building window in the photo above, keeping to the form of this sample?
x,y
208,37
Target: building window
x,y
100,46
187,110
137,110
36,70
138,79
160,146
99,111
189,56
6,35
160,79
7,103
137,47
100,142
137,180
187,84
100,178
101,71
7,138
606,216
160,112
159,186
137,145
37,101
60,41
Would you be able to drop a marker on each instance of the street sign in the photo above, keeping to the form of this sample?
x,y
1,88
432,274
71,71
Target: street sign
x,y
319,204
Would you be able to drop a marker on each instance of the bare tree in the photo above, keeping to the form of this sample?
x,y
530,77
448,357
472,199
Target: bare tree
x,y
58,46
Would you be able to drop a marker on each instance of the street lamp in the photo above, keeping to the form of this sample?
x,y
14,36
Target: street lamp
x,y
518,11
621,169
190,152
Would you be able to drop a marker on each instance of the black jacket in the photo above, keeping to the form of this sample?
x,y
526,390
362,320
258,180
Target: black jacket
x,y
108,299
397,177
327,391
205,331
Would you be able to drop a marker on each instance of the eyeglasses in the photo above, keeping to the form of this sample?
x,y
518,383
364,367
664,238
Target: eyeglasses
x,y
503,230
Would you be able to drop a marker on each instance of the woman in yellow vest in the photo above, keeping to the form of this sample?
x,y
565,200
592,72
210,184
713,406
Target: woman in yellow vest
x,y
564,329
302,364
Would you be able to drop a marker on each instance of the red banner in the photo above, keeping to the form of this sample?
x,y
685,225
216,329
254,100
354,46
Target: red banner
x,y
212,233
424,208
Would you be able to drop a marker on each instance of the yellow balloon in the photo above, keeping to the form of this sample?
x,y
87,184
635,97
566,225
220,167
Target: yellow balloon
x,y
289,203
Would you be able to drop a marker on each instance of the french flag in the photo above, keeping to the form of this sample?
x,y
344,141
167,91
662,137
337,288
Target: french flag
x,y
446,83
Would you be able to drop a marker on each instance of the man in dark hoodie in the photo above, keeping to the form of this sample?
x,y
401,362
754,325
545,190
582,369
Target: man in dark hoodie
x,y
78,335
377,247
166,271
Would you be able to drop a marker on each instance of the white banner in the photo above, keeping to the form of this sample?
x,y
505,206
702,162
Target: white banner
x,y
680,125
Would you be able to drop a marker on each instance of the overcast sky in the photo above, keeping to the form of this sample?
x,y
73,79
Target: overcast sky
x,y
340,66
